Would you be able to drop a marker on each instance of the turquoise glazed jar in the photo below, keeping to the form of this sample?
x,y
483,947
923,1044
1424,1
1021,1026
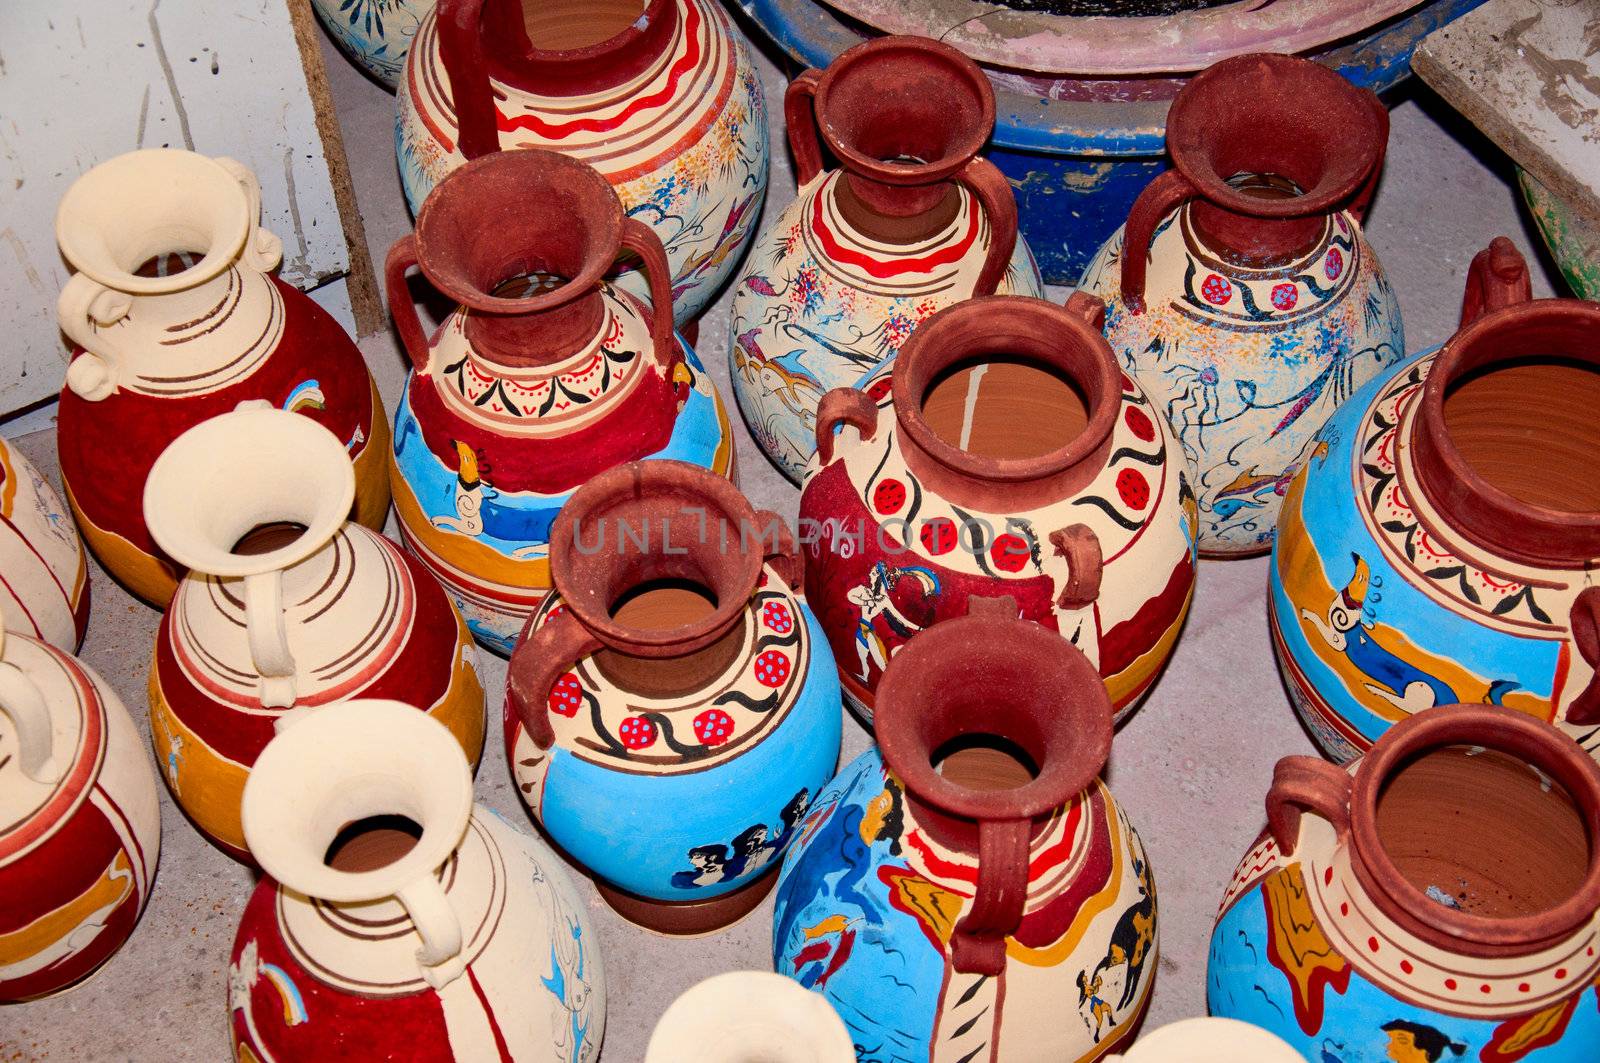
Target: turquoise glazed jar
x,y
672,709
1436,902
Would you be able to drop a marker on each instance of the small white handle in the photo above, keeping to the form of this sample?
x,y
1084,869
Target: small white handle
x,y
439,958
262,249
269,638
85,307
30,718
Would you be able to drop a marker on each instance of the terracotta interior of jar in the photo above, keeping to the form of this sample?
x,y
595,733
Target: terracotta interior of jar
x,y
1005,408
1530,426
372,842
985,762
564,25
1483,832
1265,185
269,537
527,285
169,263
662,605
904,106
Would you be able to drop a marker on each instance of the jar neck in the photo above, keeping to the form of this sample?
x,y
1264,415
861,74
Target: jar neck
x,y
1253,241
896,214
539,338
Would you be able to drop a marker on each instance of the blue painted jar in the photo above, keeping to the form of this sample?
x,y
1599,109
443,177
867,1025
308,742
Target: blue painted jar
x,y
376,34
672,709
1435,902
973,891
1442,541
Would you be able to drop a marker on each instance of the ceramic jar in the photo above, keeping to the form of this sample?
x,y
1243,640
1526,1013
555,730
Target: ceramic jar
x,y
532,386
747,1015
376,34
176,317
1001,454
670,715
1440,545
1436,902
80,824
287,607
45,589
399,920
912,221
1210,1040
1251,304
970,889
660,96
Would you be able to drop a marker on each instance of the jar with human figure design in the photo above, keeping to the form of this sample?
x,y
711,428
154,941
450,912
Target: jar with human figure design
x,y
287,608
544,376
80,822
1242,293
396,919
1000,454
677,667
176,317
970,889
1442,541
1437,900
661,97
912,220
45,590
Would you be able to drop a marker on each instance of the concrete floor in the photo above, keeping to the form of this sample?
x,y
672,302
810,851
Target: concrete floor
x,y
1191,767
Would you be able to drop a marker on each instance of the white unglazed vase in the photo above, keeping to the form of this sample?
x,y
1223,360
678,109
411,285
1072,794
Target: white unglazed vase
x,y
461,938
287,606
45,592
80,823
743,1016
1209,1040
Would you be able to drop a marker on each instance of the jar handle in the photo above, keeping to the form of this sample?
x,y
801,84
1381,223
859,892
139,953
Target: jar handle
x,y
439,959
268,636
800,120
1497,278
993,193
1090,309
643,241
1302,784
1369,188
1081,547
784,554
21,700
402,256
461,52
1160,197
538,661
844,406
83,310
978,945
263,250
1585,622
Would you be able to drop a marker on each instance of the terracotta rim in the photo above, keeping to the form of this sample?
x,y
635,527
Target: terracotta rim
x,y
503,187
655,18
652,491
1061,716
1045,334
1225,116
1489,516
875,60
1505,731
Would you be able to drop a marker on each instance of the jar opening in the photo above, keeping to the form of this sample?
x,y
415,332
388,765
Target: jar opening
x,y
662,604
1005,407
1265,186
567,25
527,283
265,538
985,762
372,842
169,263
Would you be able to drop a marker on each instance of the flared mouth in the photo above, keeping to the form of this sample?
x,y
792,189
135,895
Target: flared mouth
x,y
1291,121
154,221
518,214
904,110
251,491
990,718
1506,438
1477,826
1054,381
354,801
750,1017
663,529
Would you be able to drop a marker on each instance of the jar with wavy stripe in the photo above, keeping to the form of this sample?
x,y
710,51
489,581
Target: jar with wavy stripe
x,y
287,608
661,97
44,575
912,221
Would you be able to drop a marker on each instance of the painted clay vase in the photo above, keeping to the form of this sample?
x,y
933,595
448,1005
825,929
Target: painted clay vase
x,y
1251,305
287,607
1572,242
912,221
176,317
660,96
1210,1040
1001,454
531,386
747,1015
670,716
44,576
398,920
80,823
1435,902
375,34
970,889
1441,543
